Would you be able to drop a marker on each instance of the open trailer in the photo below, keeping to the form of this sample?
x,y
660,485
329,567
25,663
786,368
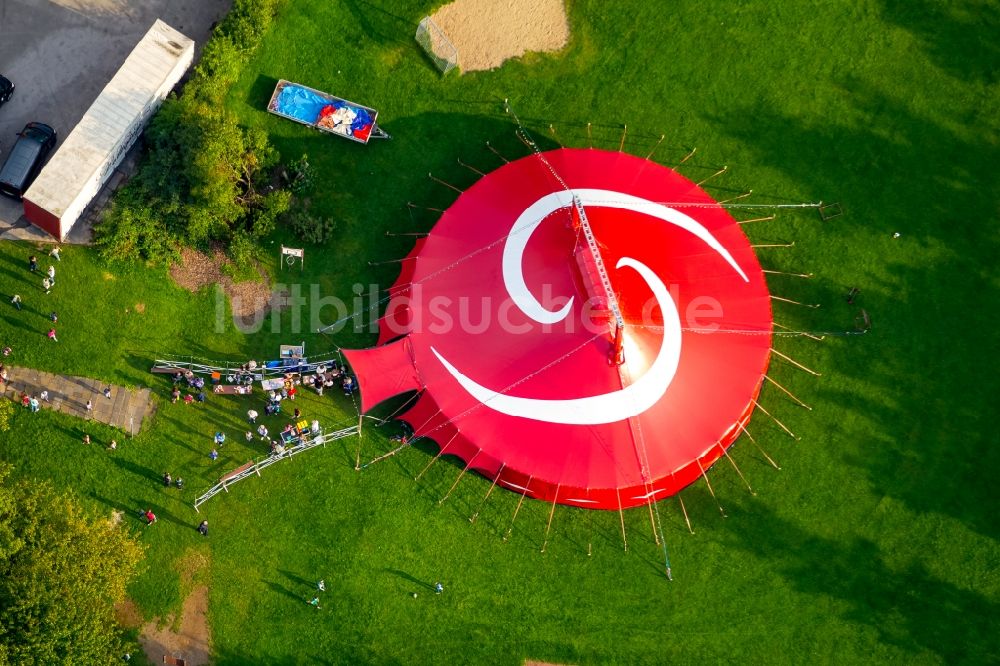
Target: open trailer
x,y
325,112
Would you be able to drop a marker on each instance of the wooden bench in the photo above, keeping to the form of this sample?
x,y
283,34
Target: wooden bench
x,y
165,371
236,472
173,661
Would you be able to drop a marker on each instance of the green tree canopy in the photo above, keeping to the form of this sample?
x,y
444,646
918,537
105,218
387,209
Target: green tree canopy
x,y
61,573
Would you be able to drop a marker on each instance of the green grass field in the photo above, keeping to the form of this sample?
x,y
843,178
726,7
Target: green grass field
x,y
878,539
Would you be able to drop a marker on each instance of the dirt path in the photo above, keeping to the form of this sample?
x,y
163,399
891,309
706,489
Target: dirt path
x,y
191,640
488,32
250,300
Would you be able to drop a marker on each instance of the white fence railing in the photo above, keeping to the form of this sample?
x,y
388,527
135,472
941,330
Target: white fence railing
x,y
254,467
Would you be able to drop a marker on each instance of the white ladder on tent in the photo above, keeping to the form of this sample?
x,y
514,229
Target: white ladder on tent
x,y
602,272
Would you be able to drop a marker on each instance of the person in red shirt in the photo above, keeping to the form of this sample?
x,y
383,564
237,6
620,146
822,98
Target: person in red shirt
x,y
150,517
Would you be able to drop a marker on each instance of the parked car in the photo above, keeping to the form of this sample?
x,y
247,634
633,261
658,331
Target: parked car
x,y
25,160
6,89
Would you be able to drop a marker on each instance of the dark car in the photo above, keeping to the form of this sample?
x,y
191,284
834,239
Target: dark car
x,y
25,159
6,89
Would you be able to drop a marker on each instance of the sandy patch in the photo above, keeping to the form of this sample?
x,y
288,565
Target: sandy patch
x,y
195,270
127,614
140,307
108,276
190,640
188,637
488,32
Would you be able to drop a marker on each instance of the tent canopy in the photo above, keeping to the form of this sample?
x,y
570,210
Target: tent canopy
x,y
508,331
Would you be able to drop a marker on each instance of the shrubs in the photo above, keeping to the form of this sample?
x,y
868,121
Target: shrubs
x,y
308,227
204,177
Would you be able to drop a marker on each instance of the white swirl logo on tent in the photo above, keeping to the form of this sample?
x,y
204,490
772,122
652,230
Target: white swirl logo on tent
x,y
607,407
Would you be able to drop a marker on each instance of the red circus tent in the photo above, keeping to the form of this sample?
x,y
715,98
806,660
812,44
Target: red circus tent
x,y
505,319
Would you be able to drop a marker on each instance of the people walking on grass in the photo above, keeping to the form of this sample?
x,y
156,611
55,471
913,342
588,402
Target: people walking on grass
x,y
214,455
252,415
25,400
249,436
86,439
203,528
321,585
47,285
16,301
175,395
179,483
438,588
167,480
7,350
150,517
314,602
53,317
113,446
219,439
52,335
188,399
262,431
54,253
33,263
52,274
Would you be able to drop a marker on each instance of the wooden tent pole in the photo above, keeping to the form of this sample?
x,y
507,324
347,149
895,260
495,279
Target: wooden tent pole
x,y
545,541
516,509
710,490
470,167
733,463
438,180
717,173
805,333
756,219
790,433
460,475
754,441
685,512
439,454
655,146
472,519
687,157
737,198
494,151
788,393
795,363
621,516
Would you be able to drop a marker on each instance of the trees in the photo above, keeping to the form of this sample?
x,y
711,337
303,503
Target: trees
x,y
204,178
61,573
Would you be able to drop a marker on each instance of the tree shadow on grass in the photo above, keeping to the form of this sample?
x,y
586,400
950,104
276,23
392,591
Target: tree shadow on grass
x,y
960,36
927,293
379,23
905,604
